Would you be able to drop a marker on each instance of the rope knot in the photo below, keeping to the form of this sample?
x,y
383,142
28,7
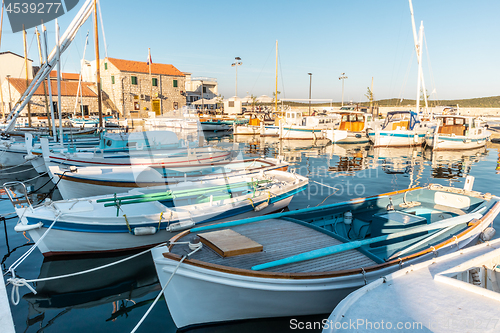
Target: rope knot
x,y
16,283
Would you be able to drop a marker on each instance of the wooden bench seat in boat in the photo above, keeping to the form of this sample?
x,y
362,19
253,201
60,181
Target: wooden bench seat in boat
x,y
279,240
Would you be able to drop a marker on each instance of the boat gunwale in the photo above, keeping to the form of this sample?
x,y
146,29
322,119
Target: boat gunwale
x,y
331,274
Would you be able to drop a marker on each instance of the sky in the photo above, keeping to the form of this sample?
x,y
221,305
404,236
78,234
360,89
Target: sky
x,y
361,38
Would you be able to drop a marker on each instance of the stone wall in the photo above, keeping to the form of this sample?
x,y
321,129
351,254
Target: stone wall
x,y
134,100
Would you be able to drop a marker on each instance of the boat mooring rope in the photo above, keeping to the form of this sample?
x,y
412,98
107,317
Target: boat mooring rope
x,y
194,247
19,282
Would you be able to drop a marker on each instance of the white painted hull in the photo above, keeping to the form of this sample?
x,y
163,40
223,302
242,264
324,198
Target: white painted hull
x,y
247,130
89,181
441,142
58,242
198,295
396,138
338,136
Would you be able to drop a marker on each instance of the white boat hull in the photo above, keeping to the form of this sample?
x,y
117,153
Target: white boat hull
x,y
441,142
225,297
338,136
396,138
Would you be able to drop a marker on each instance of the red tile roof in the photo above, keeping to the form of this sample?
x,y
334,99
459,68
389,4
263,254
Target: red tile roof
x,y
66,76
68,88
142,67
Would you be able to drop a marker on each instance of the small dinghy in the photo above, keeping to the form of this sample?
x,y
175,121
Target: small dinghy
x,y
304,262
458,292
147,216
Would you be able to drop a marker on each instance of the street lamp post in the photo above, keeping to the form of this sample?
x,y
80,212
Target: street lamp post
x,y
310,85
343,77
235,64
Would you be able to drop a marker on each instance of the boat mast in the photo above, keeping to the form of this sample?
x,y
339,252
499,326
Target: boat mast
x,y
418,50
49,84
98,65
44,87
419,57
59,106
80,80
276,92
27,72
1,93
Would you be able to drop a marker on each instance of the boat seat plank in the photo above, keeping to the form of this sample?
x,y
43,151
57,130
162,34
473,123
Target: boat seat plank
x,y
229,243
279,239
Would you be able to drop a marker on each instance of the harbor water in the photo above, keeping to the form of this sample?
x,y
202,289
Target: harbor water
x,y
116,298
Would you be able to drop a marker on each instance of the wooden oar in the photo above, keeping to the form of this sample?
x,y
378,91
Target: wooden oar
x,y
454,221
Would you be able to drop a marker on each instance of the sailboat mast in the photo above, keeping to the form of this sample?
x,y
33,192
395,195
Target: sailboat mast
x,y
276,92
59,106
420,33
1,93
418,50
27,72
49,84
44,87
98,65
80,80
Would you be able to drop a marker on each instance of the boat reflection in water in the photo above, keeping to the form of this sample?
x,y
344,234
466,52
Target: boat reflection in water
x,y
119,286
455,164
347,157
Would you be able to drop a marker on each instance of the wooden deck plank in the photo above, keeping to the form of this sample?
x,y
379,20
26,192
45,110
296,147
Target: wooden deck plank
x,y
282,239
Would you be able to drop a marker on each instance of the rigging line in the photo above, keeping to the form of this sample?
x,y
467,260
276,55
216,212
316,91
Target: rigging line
x,y
397,47
431,74
102,29
401,92
281,73
262,69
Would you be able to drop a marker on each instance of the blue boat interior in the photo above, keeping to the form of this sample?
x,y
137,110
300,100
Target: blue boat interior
x,y
380,216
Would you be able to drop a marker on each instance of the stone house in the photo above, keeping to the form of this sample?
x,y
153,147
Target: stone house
x,y
134,91
12,89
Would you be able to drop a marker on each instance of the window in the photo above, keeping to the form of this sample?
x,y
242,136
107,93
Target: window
x,y
106,66
231,104
134,80
155,82
84,109
175,83
112,79
204,90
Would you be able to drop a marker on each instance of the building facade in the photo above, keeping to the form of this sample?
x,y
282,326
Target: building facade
x,y
134,92
74,101
200,87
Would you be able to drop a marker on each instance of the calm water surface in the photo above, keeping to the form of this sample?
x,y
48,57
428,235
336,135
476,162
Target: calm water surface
x,y
115,299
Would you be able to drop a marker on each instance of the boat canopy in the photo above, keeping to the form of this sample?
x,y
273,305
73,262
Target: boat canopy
x,y
393,115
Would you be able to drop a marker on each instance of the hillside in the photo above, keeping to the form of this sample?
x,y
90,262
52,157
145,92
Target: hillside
x,y
481,102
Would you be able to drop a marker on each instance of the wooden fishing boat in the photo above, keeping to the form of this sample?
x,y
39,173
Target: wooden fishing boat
x,y
352,128
456,293
81,182
400,129
175,158
458,133
147,216
304,262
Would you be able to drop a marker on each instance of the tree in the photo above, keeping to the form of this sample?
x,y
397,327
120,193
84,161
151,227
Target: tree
x,y
369,95
274,96
254,101
220,102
